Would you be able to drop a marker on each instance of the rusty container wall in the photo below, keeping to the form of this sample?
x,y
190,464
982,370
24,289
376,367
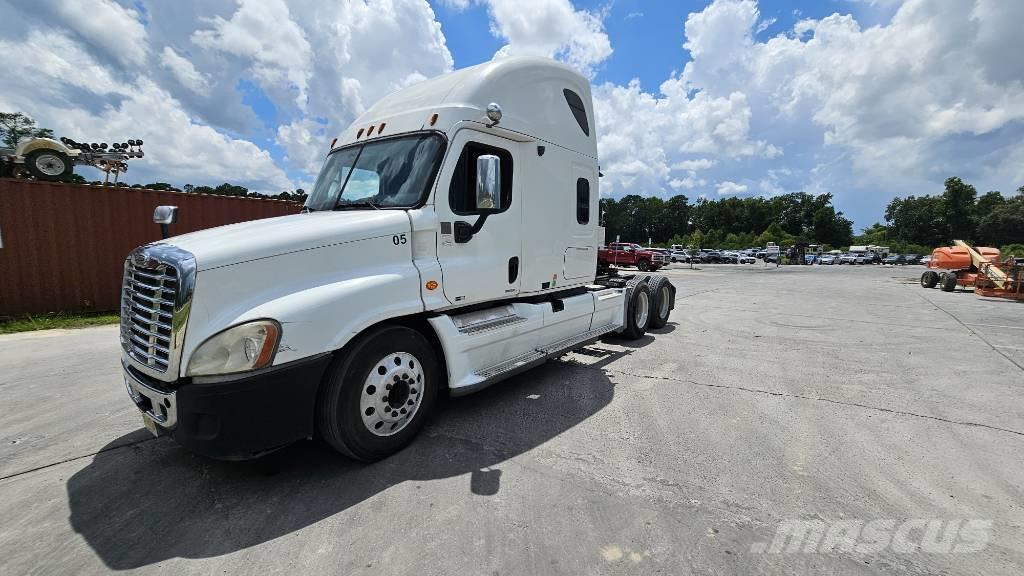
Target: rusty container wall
x,y
64,245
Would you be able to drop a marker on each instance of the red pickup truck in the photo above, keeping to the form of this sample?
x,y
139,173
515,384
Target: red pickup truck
x,y
626,254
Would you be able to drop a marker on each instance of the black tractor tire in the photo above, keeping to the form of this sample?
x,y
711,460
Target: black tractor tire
x,y
949,282
49,165
643,265
637,320
664,295
929,279
339,413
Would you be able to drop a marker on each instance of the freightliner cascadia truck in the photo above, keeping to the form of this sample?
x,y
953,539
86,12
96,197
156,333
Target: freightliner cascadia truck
x,y
450,241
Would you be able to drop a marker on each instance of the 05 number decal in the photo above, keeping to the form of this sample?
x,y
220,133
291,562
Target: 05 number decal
x,y
398,239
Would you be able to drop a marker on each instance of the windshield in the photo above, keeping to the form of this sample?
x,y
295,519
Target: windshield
x,y
392,173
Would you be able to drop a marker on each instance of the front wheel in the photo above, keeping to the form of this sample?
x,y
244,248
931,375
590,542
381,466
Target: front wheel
x,y
929,279
50,165
378,394
643,266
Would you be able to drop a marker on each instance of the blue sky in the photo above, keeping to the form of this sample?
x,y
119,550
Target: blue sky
x,y
865,99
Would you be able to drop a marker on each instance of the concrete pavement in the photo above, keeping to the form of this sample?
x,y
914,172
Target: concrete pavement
x,y
799,393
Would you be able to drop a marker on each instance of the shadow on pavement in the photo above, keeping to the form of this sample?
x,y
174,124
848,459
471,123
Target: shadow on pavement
x,y
144,503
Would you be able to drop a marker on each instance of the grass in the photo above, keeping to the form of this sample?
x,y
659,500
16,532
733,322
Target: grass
x,y
29,323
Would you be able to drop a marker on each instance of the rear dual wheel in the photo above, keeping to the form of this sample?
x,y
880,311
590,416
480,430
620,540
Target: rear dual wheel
x,y
650,303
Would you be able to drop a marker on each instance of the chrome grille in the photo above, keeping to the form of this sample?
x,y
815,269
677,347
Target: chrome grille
x,y
147,312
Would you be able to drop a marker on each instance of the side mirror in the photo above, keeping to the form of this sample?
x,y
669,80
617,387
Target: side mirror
x,y
165,215
488,182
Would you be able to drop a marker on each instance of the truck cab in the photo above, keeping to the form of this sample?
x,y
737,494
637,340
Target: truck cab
x,y
450,241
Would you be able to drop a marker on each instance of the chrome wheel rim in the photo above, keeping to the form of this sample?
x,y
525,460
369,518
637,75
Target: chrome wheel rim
x,y
663,308
50,164
643,306
392,394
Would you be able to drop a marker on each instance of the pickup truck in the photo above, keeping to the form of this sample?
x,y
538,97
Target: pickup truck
x,y
628,254
444,247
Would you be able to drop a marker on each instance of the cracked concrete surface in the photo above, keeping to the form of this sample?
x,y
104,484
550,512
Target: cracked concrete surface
x,y
774,394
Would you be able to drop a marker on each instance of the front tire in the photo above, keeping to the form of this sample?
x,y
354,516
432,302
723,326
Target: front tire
x,y
49,165
929,279
378,393
643,266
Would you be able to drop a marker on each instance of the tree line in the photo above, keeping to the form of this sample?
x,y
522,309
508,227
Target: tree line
x,y
727,223
914,224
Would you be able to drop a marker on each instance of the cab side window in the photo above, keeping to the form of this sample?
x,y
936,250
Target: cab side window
x,y
582,201
462,193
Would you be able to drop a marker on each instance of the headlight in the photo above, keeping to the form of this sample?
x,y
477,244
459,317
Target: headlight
x,y
244,347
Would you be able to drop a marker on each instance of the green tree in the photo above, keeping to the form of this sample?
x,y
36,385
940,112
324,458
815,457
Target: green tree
x,y
958,208
1004,224
14,126
918,220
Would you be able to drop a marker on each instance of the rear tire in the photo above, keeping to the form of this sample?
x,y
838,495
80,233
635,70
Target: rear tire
x,y
638,312
949,282
662,302
351,414
929,279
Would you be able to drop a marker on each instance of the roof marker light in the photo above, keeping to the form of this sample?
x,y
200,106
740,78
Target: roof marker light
x,y
333,142
359,134
433,118
369,131
381,128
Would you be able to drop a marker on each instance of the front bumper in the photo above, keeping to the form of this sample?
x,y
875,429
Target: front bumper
x,y
234,419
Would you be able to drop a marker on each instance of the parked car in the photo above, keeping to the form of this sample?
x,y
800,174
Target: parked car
x,y
913,258
761,254
848,259
627,254
747,259
664,252
678,255
827,259
810,258
712,256
925,260
894,259
730,257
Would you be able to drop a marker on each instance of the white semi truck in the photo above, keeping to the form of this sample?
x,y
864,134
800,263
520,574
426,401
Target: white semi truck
x,y
449,242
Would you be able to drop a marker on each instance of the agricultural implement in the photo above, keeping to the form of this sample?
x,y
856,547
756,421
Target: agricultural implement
x,y
979,268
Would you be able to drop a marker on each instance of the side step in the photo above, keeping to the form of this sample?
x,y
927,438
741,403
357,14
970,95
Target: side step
x,y
523,362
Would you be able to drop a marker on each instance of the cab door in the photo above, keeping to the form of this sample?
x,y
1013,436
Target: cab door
x,y
486,266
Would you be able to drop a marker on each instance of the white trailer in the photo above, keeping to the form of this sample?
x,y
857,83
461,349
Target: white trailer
x,y
449,242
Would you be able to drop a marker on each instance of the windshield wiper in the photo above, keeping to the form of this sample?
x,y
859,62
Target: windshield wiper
x,y
347,205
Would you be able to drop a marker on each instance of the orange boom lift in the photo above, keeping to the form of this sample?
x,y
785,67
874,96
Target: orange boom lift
x,y
978,267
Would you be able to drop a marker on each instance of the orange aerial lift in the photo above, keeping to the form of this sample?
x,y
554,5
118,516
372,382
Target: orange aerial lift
x,y
978,267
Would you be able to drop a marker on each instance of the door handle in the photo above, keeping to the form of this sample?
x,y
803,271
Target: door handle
x,y
513,269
